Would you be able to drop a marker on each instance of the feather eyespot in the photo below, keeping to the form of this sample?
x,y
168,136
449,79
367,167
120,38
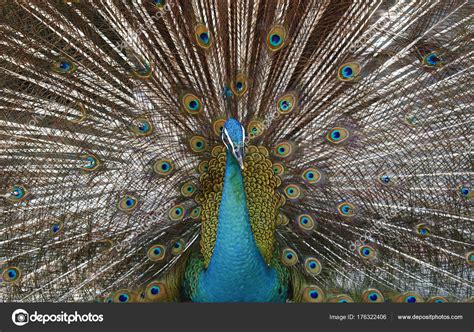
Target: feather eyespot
x,y
283,150
437,299
203,167
89,162
196,212
278,168
144,71
386,180
176,213
311,175
337,135
63,66
11,274
348,71
367,252
155,291
306,222
286,103
255,129
470,258
240,85
178,247
313,266
159,4
465,192
341,298
128,203
198,144
156,253
163,167
203,36
82,113
17,193
276,37
292,191
432,60
313,294
423,230
346,209
289,257
218,127
188,189
372,295
55,228
409,297
142,126
412,120
122,296
191,103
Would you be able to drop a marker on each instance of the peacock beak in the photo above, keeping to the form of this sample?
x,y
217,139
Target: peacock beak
x,y
238,153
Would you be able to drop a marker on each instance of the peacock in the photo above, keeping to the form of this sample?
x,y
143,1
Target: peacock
x,y
236,151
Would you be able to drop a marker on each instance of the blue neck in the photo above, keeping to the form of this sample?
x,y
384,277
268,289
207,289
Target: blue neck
x,y
237,270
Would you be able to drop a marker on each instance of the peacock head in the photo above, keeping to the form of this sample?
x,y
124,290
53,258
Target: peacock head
x,y
233,136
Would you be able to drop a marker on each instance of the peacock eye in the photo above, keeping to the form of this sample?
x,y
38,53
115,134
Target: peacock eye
x,y
465,192
178,247
385,180
255,128
163,167
372,295
412,120
191,103
431,60
198,144
337,135
423,230
17,193
286,103
143,71
292,191
437,299
128,203
218,127
89,162
312,266
470,258
155,290
203,167
196,212
341,298
142,127
63,66
122,296
188,189
367,252
203,36
176,213
159,4
156,253
306,222
289,257
276,38
278,168
11,274
239,85
409,297
311,175
348,71
313,294
283,150
55,228
346,209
